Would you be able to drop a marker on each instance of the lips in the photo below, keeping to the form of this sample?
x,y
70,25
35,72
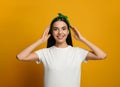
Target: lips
x,y
60,37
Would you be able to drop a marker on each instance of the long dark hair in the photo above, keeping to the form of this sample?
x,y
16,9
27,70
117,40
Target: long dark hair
x,y
51,41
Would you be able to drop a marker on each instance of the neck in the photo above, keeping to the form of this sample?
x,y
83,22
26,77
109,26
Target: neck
x,y
61,45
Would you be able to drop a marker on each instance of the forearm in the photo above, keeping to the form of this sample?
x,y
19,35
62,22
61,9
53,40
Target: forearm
x,y
29,49
96,50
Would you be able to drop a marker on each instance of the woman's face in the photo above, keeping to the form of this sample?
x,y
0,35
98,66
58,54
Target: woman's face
x,y
60,31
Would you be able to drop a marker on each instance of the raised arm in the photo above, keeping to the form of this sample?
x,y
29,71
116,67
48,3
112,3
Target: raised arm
x,y
96,53
27,54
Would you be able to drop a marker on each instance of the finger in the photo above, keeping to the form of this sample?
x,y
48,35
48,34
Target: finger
x,y
47,30
49,35
74,30
71,26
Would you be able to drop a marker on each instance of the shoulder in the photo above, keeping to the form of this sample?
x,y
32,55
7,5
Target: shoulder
x,y
74,49
45,49
77,48
80,49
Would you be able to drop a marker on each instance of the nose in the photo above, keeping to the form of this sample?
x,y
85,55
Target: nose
x,y
60,31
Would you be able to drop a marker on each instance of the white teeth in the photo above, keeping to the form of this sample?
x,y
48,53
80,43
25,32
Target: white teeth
x,y
60,37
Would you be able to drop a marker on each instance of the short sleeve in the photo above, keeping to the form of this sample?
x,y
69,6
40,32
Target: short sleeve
x,y
83,54
40,55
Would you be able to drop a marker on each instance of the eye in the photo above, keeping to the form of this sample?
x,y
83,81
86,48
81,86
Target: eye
x,y
55,28
64,28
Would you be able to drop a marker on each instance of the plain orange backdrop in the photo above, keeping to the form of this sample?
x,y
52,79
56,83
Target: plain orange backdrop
x,y
22,22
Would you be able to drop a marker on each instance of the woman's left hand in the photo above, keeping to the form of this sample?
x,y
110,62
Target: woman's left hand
x,y
77,35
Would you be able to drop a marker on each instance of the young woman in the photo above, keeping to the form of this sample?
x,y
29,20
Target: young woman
x,y
62,61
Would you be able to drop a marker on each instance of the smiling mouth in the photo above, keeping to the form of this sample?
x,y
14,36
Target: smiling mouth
x,y
60,37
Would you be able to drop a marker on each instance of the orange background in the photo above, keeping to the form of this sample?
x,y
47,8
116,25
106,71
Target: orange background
x,y
23,21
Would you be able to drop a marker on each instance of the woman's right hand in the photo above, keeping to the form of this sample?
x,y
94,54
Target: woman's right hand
x,y
45,35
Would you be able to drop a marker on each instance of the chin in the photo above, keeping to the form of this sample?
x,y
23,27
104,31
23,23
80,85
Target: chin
x,y
60,42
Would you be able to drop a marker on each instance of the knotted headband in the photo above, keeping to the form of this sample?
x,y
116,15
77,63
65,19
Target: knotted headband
x,y
61,16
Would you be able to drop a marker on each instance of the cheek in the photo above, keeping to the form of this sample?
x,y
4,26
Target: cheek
x,y
66,32
54,33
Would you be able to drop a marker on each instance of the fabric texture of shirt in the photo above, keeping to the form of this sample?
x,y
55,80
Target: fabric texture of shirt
x,y
62,66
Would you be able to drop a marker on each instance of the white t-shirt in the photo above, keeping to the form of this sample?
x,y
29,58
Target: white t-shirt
x,y
62,66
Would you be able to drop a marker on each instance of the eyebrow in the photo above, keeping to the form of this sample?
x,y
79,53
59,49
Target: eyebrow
x,y
62,26
55,27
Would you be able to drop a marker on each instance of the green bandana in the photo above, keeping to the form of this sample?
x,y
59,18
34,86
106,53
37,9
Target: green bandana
x,y
64,17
